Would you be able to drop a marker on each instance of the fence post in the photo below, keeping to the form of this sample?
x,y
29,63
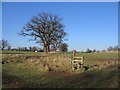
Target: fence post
x,y
73,54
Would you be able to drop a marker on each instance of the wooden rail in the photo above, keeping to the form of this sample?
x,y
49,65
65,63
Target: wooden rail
x,y
77,62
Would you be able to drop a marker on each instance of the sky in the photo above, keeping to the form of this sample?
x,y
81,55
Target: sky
x,y
60,0
92,25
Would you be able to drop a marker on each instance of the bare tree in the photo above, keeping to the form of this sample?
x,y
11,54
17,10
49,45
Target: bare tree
x,y
88,50
63,47
33,48
9,47
4,44
45,29
110,48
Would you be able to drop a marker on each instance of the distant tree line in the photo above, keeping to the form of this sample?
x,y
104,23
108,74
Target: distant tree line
x,y
63,47
33,49
4,45
110,48
113,48
90,51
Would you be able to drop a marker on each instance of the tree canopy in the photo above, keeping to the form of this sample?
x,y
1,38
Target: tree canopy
x,y
46,29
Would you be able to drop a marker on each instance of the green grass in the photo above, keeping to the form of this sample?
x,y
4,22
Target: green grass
x,y
93,58
21,52
20,72
26,78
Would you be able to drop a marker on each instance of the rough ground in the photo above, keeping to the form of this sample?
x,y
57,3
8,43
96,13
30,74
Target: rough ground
x,y
56,72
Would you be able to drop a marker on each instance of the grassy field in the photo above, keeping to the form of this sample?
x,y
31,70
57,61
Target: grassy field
x,y
53,70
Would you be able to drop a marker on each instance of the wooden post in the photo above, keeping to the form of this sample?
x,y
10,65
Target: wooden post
x,y
83,62
68,56
73,54
65,54
59,55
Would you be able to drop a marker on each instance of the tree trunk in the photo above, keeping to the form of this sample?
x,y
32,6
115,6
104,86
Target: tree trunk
x,y
45,49
48,47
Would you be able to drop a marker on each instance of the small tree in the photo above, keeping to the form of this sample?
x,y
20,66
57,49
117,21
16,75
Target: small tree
x,y
110,48
34,49
116,48
63,47
4,44
30,49
74,51
94,50
9,47
88,51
